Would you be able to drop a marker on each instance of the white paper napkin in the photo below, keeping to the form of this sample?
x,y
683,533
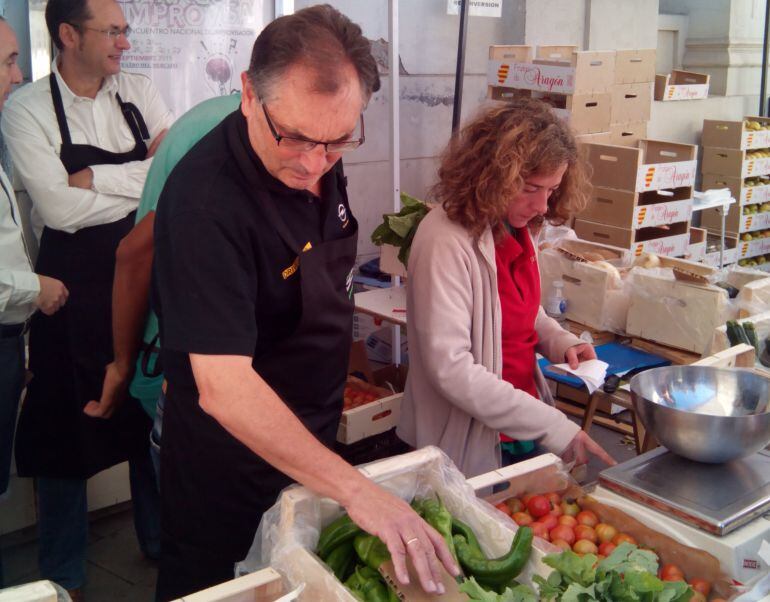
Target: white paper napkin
x,y
591,372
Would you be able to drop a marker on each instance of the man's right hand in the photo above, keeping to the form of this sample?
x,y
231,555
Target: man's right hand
x,y
53,295
403,531
113,392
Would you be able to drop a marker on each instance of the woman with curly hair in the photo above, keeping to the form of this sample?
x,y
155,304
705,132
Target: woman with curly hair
x,y
475,320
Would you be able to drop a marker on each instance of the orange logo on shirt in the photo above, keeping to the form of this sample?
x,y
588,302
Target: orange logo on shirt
x,y
291,270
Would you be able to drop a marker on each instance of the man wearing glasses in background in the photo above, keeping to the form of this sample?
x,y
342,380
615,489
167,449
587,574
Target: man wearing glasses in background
x,y
82,140
254,250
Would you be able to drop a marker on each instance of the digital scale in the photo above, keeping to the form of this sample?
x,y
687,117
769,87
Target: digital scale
x,y
721,508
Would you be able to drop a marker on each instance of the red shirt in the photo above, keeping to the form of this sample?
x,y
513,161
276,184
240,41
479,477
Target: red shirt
x,y
518,285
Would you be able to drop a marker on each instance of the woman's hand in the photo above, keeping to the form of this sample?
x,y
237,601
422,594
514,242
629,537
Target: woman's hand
x,y
579,353
581,446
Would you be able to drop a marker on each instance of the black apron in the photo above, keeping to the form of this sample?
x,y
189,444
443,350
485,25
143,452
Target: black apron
x,y
215,489
70,350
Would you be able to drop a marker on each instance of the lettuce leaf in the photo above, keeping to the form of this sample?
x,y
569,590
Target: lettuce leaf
x,y
517,593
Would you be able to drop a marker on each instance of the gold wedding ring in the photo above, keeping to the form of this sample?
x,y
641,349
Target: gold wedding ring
x,y
411,541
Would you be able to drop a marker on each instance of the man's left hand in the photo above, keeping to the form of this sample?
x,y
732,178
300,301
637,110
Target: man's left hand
x,y
579,353
82,179
113,393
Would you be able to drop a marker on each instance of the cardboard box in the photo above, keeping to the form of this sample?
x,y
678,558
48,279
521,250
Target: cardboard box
x,y
586,113
675,313
742,193
651,165
682,85
631,102
733,134
733,162
635,210
390,263
580,72
380,415
593,296
712,250
596,138
627,134
753,248
696,250
736,221
671,242
302,514
634,66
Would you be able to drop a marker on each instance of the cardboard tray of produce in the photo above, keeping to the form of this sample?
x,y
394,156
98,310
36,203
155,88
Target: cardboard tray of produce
x,y
288,534
368,410
547,474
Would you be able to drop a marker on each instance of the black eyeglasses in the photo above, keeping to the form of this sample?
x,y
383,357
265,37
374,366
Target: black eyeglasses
x,y
306,145
113,33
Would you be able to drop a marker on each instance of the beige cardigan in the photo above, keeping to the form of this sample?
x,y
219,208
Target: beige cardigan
x,y
455,396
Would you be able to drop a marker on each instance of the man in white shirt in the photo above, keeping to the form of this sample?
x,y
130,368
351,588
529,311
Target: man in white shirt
x,y
22,291
81,140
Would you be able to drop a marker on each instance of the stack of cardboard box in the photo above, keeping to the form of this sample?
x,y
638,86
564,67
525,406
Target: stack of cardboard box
x,y
605,95
736,155
642,197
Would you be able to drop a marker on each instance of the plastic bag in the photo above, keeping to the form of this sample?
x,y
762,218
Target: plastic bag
x,y
288,533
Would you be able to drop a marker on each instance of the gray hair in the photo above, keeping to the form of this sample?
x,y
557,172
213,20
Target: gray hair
x,y
319,37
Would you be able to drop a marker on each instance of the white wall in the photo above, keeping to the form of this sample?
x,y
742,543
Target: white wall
x,y
622,24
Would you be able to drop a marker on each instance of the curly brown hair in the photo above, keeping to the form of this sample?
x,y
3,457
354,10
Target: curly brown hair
x,y
488,162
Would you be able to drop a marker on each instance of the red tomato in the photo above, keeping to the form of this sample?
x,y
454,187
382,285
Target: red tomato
x,y
585,532
586,517
606,548
515,504
526,497
671,572
564,533
549,520
623,537
560,543
503,507
605,532
521,518
583,546
540,530
554,498
538,506
701,585
556,510
570,521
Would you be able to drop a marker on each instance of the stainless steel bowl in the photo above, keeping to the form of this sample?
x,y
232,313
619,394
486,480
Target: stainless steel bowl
x,y
706,414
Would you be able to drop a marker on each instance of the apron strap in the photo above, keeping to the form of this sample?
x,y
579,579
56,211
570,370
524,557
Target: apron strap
x,y
58,107
147,350
134,119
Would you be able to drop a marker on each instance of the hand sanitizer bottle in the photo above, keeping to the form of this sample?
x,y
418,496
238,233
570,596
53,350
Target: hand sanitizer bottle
x,y
556,304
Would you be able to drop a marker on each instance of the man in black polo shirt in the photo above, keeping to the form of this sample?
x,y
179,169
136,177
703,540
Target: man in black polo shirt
x,y
254,248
